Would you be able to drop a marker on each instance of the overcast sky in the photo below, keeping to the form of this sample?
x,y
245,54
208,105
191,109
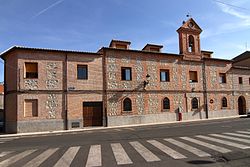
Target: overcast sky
x,y
87,25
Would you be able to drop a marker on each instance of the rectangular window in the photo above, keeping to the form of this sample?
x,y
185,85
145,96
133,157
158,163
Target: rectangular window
x,y
240,80
31,70
223,78
193,76
30,108
126,74
164,76
82,72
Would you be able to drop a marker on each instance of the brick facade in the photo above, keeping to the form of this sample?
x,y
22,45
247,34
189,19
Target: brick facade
x,y
60,94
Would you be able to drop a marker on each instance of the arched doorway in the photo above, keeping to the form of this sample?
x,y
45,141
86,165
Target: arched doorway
x,y
242,105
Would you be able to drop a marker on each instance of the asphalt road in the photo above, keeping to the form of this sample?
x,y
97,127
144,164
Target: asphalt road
x,y
204,143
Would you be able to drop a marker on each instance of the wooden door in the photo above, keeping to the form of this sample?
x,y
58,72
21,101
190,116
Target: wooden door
x,y
92,114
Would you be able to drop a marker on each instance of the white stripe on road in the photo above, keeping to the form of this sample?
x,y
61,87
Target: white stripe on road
x,y
41,158
94,157
237,134
232,138
189,148
144,152
166,149
211,146
67,157
120,155
15,158
2,154
241,146
244,132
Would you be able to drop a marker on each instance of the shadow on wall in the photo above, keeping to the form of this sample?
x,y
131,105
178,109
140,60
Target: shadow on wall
x,y
198,111
118,96
1,120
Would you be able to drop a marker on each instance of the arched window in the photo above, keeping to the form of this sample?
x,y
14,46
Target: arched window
x,y
195,103
224,102
166,104
127,104
190,43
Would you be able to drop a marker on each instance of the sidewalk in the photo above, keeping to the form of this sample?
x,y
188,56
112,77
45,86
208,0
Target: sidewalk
x,y
113,127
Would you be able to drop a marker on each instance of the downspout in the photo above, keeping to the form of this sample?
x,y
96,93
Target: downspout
x,y
205,87
65,90
4,98
105,123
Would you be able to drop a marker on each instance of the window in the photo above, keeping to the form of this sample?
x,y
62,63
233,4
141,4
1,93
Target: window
x,y
164,76
223,78
224,102
249,81
30,108
240,80
127,104
82,72
195,103
193,76
31,70
119,46
166,104
190,43
126,74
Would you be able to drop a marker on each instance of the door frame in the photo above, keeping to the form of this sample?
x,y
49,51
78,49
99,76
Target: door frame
x,y
93,103
242,110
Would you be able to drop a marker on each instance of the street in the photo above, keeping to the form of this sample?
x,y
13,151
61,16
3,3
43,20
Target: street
x,y
222,142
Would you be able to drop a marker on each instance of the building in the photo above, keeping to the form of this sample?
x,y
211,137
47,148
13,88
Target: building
x,y
48,89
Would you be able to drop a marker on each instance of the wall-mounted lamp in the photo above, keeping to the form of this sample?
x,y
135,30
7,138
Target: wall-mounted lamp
x,y
145,83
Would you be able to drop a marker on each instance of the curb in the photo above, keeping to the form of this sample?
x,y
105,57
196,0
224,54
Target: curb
x,y
113,127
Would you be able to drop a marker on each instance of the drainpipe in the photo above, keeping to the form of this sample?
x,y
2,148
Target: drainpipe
x,y
205,87
65,90
105,123
4,99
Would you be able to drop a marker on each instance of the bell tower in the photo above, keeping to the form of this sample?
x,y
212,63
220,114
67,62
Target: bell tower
x,y
189,40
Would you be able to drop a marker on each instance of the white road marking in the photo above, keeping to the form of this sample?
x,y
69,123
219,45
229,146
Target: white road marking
x,y
237,134
210,146
232,138
41,158
144,152
2,154
166,149
241,146
94,157
67,157
244,132
189,148
15,158
120,154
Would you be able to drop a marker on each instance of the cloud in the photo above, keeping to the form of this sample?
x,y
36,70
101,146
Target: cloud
x,y
46,9
239,20
243,19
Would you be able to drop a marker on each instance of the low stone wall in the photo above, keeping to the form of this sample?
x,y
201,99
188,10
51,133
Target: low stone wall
x,y
166,117
222,113
153,118
39,125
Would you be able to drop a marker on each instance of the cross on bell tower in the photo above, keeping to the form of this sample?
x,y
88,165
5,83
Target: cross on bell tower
x,y
189,39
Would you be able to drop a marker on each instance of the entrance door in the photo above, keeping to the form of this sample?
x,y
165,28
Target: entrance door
x,y
241,105
92,114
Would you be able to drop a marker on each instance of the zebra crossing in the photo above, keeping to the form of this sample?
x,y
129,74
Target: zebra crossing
x,y
196,146
4,140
